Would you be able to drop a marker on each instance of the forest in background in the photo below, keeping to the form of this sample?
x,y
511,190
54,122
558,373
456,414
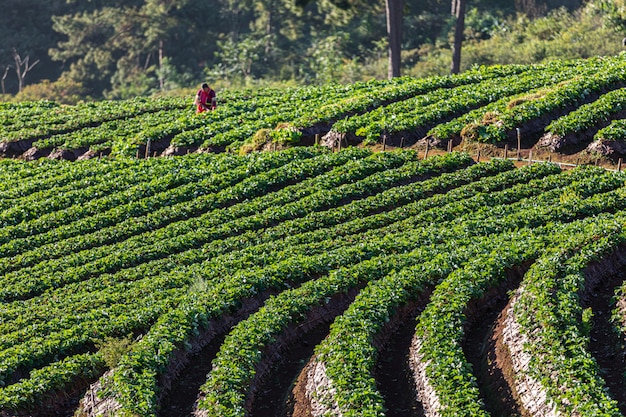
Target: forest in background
x,y
70,50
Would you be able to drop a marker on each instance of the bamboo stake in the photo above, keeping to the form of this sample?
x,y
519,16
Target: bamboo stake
x,y
148,149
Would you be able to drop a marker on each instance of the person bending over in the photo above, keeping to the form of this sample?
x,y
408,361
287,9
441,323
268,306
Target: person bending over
x,y
205,99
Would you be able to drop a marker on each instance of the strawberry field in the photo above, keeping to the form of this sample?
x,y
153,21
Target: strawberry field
x,y
563,107
311,281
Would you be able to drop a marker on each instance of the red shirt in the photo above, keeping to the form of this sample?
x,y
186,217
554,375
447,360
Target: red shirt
x,y
205,98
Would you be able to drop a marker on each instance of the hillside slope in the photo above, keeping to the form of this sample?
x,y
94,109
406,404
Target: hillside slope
x,y
307,282
572,109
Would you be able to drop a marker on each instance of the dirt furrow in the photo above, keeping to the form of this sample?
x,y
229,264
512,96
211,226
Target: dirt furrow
x,y
394,378
182,360
605,342
483,350
272,391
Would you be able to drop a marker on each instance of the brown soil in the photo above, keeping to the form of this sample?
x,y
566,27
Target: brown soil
x,y
490,359
298,403
180,399
484,351
277,398
483,330
606,344
394,378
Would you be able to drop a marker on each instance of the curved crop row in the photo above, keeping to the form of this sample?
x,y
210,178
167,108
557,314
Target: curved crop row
x,y
233,370
410,115
306,225
137,379
554,327
350,377
610,74
451,396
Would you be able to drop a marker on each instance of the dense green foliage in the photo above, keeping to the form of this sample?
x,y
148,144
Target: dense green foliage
x,y
72,50
570,100
127,264
123,263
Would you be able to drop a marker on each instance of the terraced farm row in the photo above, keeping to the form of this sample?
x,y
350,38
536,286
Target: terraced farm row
x,y
310,282
563,107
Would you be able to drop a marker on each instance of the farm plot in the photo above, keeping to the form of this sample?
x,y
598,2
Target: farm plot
x,y
565,107
279,283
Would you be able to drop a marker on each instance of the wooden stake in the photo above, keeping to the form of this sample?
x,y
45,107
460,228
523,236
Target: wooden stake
x,y
619,165
478,156
506,151
148,149
384,142
317,139
519,143
530,157
450,146
426,151
402,142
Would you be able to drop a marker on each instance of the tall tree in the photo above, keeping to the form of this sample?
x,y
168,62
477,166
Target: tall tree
x,y
22,67
458,11
25,27
394,13
122,50
394,9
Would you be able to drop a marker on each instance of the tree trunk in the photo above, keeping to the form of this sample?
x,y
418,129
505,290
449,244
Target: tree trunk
x,y
161,75
458,10
4,76
19,63
394,30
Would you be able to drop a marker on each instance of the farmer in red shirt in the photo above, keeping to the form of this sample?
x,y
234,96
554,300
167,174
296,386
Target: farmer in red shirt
x,y
205,99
